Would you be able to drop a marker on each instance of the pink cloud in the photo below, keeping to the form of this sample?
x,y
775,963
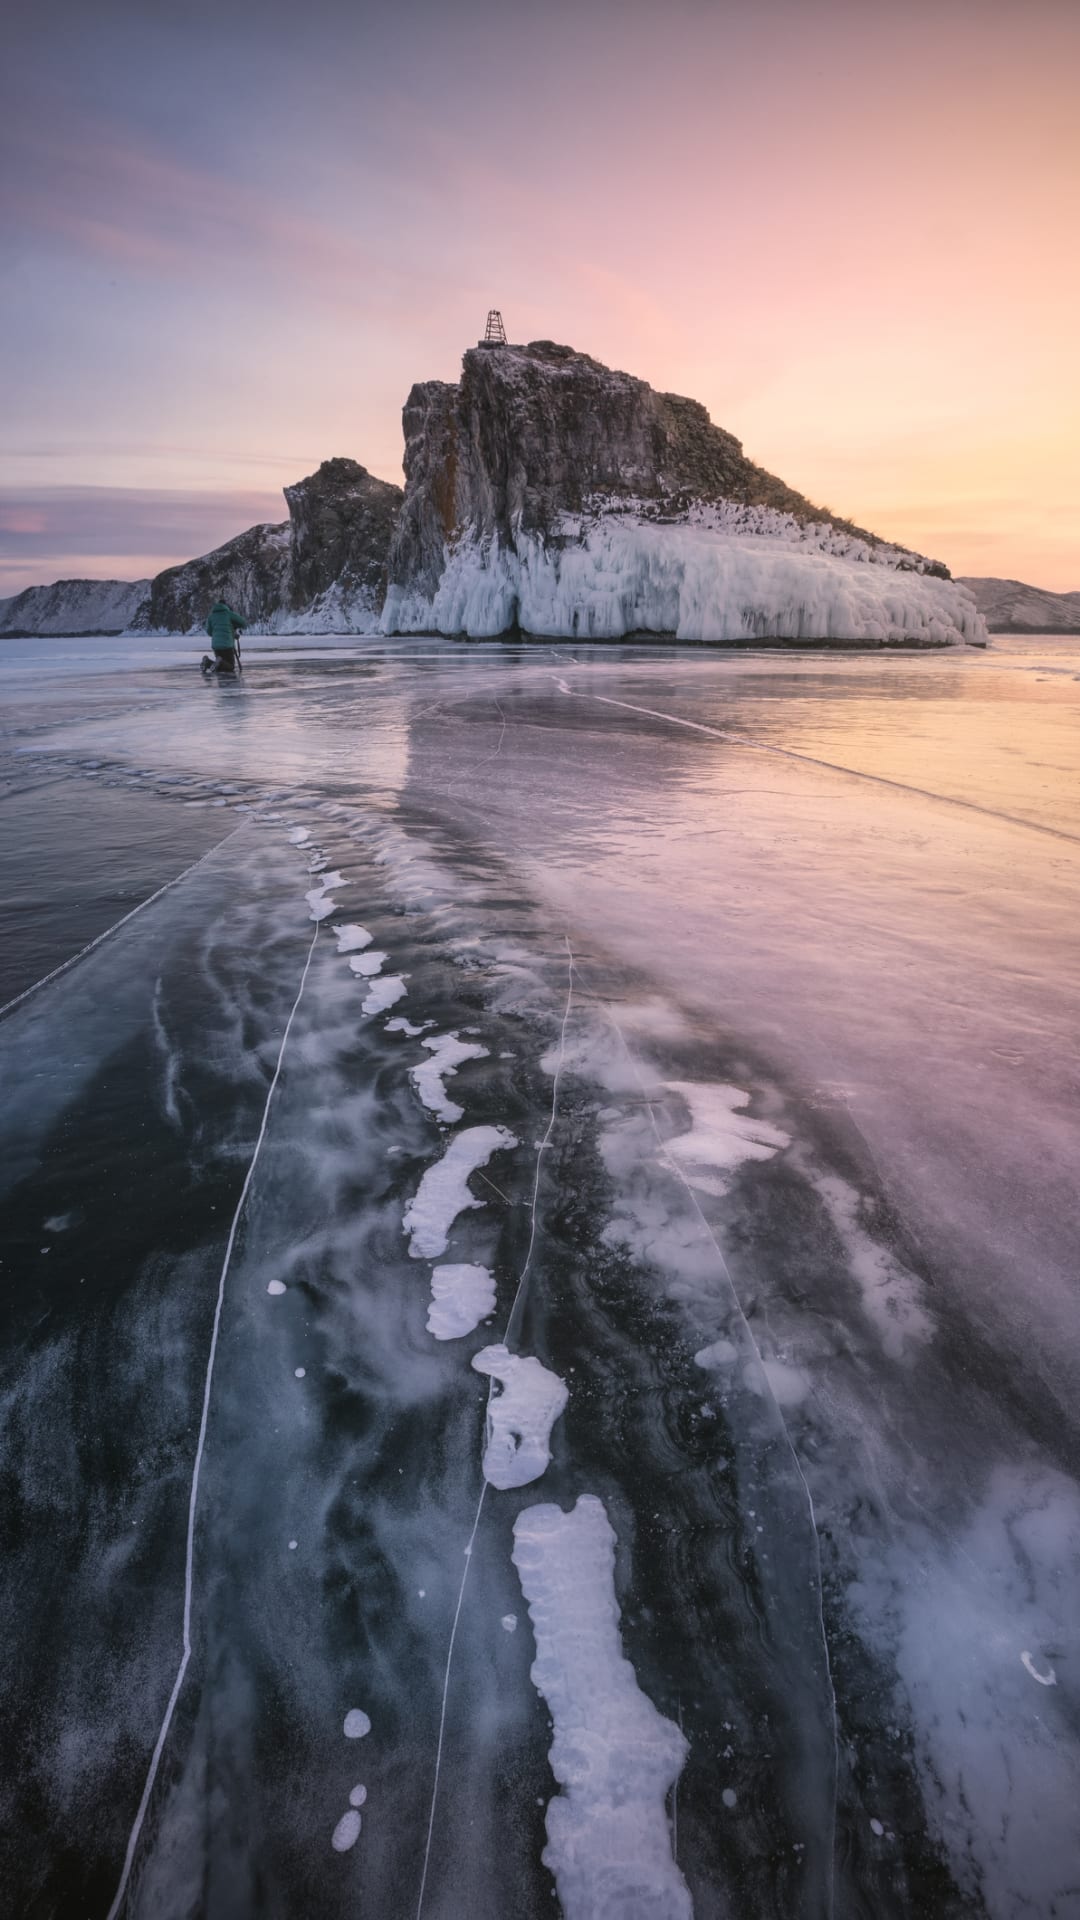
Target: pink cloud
x,y
21,520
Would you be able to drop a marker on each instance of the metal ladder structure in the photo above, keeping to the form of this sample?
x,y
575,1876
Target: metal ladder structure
x,y
494,332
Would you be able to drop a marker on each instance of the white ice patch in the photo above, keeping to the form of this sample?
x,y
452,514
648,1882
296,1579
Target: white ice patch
x,y
350,938
461,1296
720,1138
508,1623
366,964
428,1078
443,1192
384,993
356,1724
319,904
613,1753
299,836
347,1832
521,1413
275,1286
401,1025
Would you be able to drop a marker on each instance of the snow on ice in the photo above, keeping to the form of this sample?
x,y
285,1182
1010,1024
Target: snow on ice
x,y
613,1754
347,1831
461,1296
350,938
384,993
443,1192
522,1410
429,1076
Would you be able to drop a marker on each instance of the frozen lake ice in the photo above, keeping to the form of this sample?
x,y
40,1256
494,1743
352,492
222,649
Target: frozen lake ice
x,y
748,984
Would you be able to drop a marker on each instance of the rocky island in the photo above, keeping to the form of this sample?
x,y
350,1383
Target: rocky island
x,y
546,494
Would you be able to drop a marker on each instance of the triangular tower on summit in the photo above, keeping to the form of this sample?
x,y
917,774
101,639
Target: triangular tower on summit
x,y
494,332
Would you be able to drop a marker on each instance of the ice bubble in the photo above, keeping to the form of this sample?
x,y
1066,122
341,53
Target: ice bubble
x,y
357,1796
729,1797
275,1286
356,1724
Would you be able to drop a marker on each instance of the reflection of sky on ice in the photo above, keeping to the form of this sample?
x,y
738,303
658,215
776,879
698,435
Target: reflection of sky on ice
x,y
822,1030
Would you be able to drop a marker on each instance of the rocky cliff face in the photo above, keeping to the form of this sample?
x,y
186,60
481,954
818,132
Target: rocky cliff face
x,y
74,607
1008,606
322,570
549,493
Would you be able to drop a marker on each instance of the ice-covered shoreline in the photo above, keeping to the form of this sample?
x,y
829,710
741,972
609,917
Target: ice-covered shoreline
x,y
693,581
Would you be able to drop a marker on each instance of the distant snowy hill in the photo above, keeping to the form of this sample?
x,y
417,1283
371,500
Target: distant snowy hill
x,y
74,607
1008,606
547,493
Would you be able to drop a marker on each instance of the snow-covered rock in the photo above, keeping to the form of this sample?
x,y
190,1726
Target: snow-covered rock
x,y
549,494
74,607
1008,606
321,571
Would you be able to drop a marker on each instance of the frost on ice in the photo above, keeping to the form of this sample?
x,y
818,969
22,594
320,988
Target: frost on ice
x,y
985,1618
724,573
443,1192
613,1754
720,1138
522,1410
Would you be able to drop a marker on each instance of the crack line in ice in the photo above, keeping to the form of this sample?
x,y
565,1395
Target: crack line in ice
x,y
540,1152
833,766
10,1005
769,1394
159,1748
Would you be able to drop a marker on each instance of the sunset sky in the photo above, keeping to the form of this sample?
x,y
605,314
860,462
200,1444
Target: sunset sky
x,y
234,234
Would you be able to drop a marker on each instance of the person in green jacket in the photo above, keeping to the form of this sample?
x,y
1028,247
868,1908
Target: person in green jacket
x,y
223,625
